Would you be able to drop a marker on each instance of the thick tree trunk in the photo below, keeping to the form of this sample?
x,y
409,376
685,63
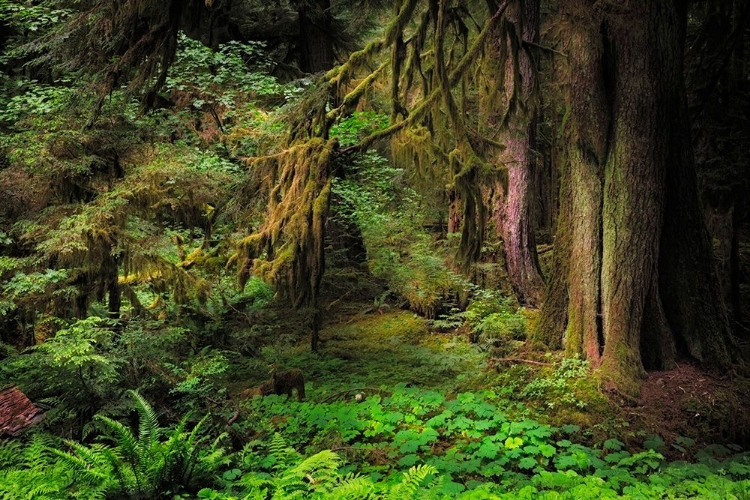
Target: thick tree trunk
x,y
573,304
632,253
641,54
316,45
516,218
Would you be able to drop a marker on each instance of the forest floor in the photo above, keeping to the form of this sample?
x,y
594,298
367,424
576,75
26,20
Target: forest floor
x,y
366,350
690,401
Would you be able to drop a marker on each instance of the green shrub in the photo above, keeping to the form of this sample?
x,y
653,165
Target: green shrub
x,y
373,196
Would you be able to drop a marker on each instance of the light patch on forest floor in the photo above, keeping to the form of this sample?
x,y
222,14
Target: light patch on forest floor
x,y
374,351
366,350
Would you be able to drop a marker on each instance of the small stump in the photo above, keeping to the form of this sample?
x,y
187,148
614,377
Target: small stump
x,y
17,412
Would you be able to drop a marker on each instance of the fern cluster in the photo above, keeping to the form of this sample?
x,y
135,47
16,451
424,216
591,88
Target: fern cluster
x,y
153,462
320,476
30,471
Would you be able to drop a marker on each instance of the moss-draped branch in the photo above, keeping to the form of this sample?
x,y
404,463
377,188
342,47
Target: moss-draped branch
x,y
430,70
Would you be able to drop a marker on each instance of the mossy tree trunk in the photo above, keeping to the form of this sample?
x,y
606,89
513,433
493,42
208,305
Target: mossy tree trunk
x,y
634,279
514,204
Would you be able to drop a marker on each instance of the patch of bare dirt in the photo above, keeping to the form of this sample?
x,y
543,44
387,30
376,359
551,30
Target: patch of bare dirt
x,y
689,401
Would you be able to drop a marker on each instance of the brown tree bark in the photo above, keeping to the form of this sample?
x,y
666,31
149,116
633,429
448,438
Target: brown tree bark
x,y
634,279
514,213
316,45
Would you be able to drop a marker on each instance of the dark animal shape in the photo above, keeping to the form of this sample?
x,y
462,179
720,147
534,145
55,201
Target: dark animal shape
x,y
287,381
284,382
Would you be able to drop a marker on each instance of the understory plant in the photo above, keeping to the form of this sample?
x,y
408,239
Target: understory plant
x,y
374,197
474,449
406,444
152,462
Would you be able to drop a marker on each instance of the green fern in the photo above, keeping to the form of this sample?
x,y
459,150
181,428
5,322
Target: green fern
x,y
314,474
352,487
142,466
9,454
412,482
28,471
284,456
148,422
88,466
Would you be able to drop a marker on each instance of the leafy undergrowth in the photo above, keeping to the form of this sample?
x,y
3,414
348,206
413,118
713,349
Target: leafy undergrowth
x,y
406,410
371,352
393,411
461,447
411,443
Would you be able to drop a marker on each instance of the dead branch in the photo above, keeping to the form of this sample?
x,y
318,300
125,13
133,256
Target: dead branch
x,y
493,361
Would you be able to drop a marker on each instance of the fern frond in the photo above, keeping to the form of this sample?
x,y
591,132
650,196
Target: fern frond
x,y
319,468
177,455
115,461
277,446
315,473
44,490
38,454
412,481
11,454
352,487
121,435
87,465
48,482
148,422
256,484
283,455
193,437
215,456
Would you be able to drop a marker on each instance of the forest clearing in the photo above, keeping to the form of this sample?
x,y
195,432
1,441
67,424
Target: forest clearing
x,y
397,249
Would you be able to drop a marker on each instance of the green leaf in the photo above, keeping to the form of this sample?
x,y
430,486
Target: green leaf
x,y
488,449
563,462
408,460
615,457
613,444
654,442
547,450
513,442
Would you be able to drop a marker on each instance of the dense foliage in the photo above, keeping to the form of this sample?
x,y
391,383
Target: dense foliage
x,y
464,447
188,198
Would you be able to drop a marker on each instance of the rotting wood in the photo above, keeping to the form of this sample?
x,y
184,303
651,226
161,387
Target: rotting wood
x,y
17,412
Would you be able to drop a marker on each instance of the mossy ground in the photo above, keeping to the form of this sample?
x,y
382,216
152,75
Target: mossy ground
x,y
369,350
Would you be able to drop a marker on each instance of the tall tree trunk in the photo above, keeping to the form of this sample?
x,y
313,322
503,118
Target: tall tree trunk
x,y
515,213
632,252
718,73
316,45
